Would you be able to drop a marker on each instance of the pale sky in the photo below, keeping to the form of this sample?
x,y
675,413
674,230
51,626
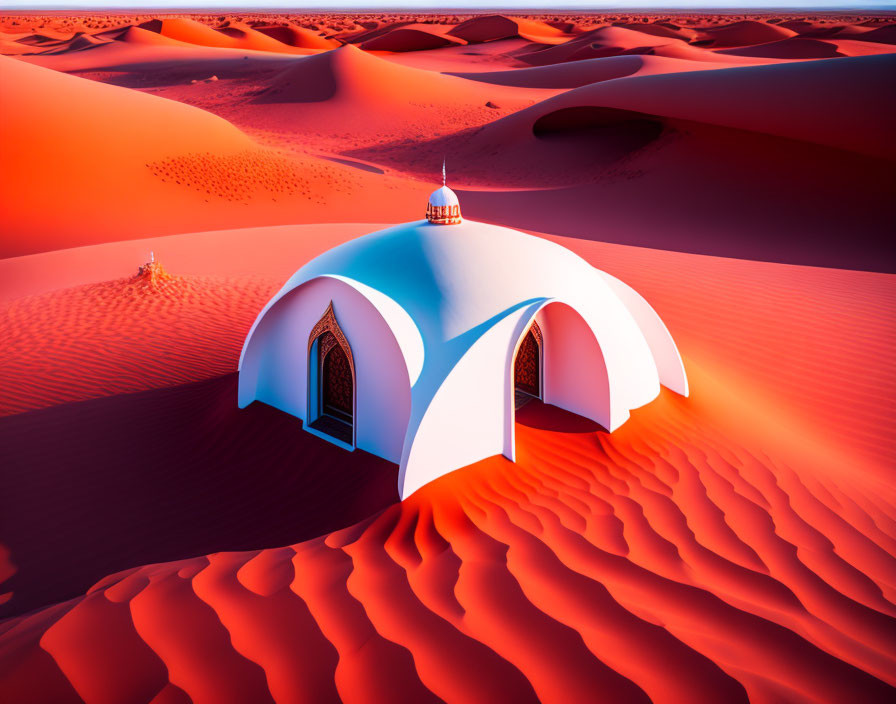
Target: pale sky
x,y
447,5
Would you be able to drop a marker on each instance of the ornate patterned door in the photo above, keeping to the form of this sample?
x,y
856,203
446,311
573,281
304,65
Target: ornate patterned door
x,y
335,379
526,367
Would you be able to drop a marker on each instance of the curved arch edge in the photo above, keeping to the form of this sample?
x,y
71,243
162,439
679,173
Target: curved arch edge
x,y
405,331
666,355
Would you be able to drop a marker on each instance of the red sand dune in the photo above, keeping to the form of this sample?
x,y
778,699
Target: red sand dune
x,y
368,30
293,35
803,48
175,443
603,41
409,38
45,36
402,114
744,33
349,74
187,331
189,31
625,143
246,37
787,100
690,52
491,27
139,35
10,47
700,553
76,43
356,99
192,255
587,71
124,130
234,35
885,35
812,28
661,29
147,350
133,151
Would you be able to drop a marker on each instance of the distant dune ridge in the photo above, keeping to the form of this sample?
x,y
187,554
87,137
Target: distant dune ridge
x,y
133,152
324,130
410,39
297,36
163,175
495,27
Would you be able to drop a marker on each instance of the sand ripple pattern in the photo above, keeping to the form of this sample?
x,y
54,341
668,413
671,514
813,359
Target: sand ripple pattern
x,y
252,175
121,336
663,563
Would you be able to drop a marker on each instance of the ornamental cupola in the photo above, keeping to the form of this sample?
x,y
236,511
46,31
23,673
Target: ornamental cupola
x,y
443,207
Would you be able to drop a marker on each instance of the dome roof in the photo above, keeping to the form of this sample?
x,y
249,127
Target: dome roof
x,y
452,280
442,197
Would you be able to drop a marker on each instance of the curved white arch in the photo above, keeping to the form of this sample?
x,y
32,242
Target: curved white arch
x,y
574,373
406,333
474,398
388,356
665,352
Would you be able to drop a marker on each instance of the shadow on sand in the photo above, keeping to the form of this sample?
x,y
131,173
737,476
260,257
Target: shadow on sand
x,y
95,487
544,416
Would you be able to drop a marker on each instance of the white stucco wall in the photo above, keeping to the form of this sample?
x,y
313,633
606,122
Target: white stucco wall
x,y
475,400
575,374
467,416
274,367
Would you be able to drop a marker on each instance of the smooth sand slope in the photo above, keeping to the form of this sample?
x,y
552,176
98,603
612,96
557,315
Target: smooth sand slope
x,y
738,543
492,27
233,35
296,36
664,160
349,94
138,336
587,71
121,163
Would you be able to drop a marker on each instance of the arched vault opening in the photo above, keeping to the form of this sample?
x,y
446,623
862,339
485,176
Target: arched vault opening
x,y
559,351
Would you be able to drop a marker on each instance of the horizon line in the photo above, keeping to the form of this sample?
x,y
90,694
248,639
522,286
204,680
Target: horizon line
x,y
423,6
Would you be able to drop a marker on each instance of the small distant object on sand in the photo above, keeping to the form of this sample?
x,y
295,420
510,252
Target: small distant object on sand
x,y
206,80
153,274
493,106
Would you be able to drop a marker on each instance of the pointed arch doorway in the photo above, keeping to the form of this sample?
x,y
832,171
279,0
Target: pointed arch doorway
x,y
331,382
527,367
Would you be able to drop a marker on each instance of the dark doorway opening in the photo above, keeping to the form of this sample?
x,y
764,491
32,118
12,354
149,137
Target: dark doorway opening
x,y
527,368
335,390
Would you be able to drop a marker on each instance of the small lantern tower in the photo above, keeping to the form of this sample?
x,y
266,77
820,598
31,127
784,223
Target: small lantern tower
x,y
443,207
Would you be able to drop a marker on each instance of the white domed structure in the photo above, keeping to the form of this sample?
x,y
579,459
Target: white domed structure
x,y
416,343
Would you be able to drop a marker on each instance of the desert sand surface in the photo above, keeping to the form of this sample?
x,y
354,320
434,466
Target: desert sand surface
x,y
157,544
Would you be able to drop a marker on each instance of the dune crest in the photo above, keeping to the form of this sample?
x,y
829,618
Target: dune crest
x,y
410,39
493,27
300,37
745,32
